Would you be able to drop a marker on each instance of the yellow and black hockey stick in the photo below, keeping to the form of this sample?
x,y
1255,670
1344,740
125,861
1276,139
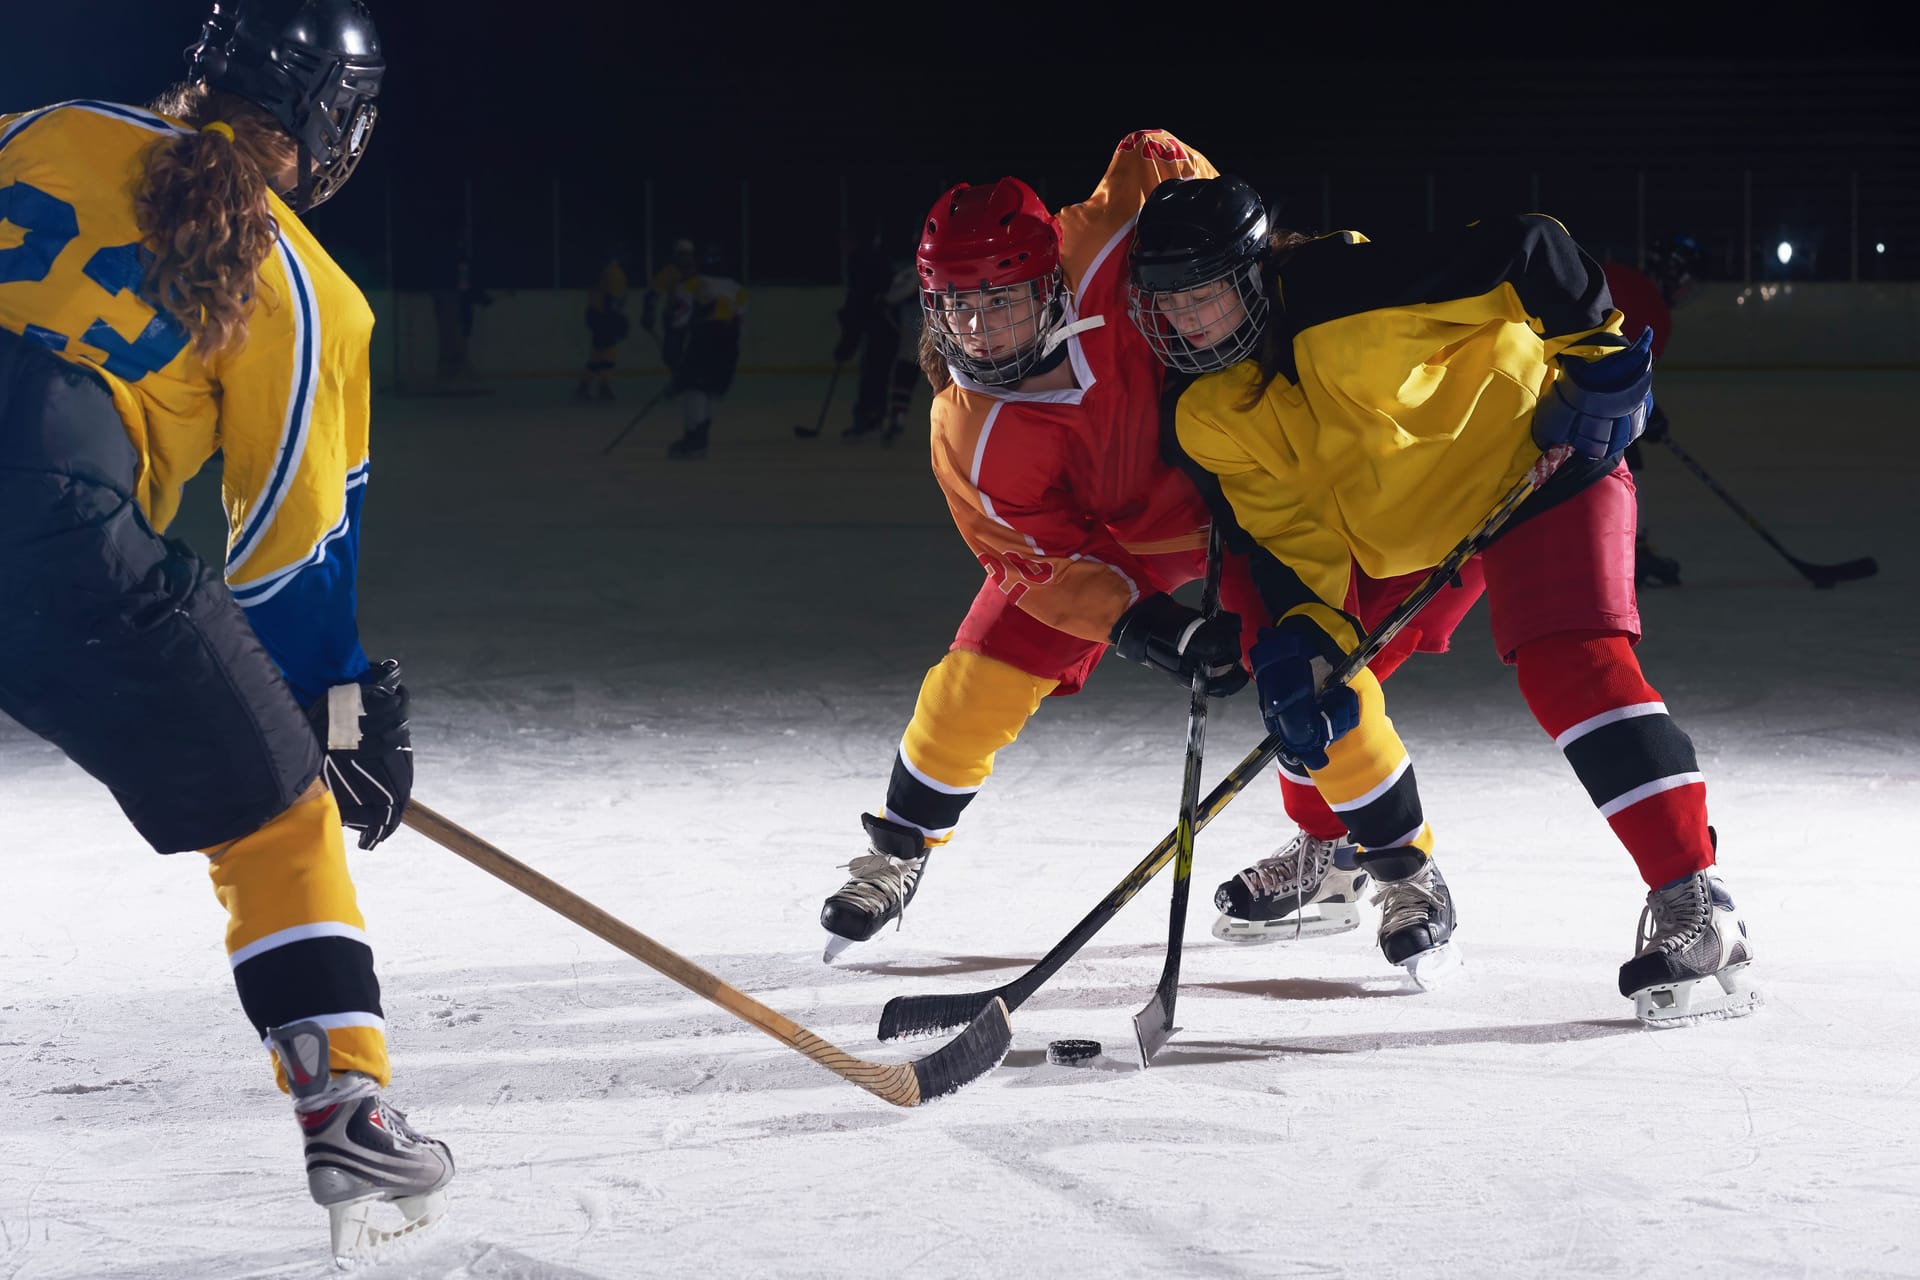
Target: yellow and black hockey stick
x,y
964,1059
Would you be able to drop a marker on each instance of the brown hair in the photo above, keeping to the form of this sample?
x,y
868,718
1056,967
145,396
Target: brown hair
x,y
201,205
932,363
1276,341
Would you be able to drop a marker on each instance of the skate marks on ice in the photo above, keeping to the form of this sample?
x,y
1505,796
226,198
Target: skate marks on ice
x,y
437,1256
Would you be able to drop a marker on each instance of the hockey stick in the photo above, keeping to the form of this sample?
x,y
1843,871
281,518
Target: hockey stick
x,y
926,1015
1154,1024
966,1058
634,421
819,424
1823,576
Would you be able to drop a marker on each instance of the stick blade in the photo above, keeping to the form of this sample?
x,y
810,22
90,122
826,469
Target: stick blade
x,y
969,1055
1152,1028
911,1017
1826,575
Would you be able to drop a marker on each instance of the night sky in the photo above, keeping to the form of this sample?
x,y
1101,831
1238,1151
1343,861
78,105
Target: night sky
x,y
711,117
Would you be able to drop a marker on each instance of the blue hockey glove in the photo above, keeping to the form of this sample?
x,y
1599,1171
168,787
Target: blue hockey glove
x,y
1161,633
1307,720
1598,407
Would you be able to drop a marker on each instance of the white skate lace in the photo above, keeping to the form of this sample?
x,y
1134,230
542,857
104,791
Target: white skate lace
x,y
879,883
1301,862
1678,915
1405,903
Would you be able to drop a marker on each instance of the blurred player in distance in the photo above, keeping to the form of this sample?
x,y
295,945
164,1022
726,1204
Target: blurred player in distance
x,y
1424,414
880,321
606,326
166,301
1647,299
709,307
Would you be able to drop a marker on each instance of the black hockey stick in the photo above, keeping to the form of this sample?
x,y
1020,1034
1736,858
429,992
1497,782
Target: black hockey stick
x,y
1154,1024
634,421
964,1059
927,1015
1823,576
820,423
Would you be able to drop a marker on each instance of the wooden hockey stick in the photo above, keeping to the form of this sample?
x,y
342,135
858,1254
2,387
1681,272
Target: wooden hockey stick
x,y
905,1016
964,1059
1154,1024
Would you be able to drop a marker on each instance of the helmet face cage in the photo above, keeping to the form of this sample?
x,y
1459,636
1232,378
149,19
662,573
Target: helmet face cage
x,y
1204,325
996,335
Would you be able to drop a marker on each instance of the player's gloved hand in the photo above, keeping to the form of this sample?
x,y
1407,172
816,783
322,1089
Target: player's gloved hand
x,y
1288,669
1598,407
369,751
1161,633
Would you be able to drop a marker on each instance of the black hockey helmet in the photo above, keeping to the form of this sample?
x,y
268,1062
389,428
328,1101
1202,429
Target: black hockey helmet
x,y
315,65
1194,288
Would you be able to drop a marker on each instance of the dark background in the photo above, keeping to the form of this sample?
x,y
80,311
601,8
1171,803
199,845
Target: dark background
x,y
545,133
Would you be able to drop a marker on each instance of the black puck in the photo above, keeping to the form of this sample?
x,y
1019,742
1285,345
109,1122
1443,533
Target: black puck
x,y
1072,1053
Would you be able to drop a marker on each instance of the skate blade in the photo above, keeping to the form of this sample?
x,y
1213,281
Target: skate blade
x,y
1435,967
357,1238
1333,918
836,946
1726,994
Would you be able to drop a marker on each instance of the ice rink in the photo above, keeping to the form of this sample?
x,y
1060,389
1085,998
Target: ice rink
x,y
674,687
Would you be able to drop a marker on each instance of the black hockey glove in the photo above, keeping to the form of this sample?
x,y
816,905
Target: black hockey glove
x,y
1161,633
369,751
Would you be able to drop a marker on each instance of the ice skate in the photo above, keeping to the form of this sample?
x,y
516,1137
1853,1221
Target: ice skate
x,y
1416,926
361,1152
691,445
1309,888
1691,956
883,883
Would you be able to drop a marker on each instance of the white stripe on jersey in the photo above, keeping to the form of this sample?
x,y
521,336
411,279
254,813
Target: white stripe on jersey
x,y
299,415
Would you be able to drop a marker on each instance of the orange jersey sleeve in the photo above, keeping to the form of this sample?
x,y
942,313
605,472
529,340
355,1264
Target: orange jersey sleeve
x,y
1093,229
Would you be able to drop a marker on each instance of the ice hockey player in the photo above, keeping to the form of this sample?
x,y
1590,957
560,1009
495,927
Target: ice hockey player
x,y
709,306
606,327
1371,404
1646,299
1046,441
164,300
880,320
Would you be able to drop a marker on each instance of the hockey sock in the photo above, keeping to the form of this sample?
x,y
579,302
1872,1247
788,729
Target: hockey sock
x,y
969,707
1302,800
295,937
1586,689
1368,782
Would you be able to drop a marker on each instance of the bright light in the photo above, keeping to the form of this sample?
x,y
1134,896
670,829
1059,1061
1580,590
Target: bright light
x,y
1784,253
1880,246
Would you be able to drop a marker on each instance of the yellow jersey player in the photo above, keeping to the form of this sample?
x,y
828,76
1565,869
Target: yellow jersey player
x,y
606,326
707,308
1368,404
160,299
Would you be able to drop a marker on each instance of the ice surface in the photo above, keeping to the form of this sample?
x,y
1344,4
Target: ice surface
x,y
674,687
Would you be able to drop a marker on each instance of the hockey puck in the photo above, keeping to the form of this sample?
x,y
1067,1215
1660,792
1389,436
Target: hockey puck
x,y
1072,1053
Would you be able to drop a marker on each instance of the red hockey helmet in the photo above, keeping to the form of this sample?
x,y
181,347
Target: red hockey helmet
x,y
990,284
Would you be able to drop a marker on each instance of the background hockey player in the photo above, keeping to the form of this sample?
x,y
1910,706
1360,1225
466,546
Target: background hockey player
x,y
1397,393
660,315
1646,299
1046,442
880,320
709,307
136,338
606,327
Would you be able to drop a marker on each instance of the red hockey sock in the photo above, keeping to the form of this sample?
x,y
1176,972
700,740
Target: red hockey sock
x,y
1585,688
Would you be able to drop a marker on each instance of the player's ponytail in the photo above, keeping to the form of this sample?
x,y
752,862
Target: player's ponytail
x,y
201,205
1276,342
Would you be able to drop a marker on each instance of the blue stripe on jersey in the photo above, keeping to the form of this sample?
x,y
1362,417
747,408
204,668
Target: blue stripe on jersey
x,y
132,115
304,615
293,436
